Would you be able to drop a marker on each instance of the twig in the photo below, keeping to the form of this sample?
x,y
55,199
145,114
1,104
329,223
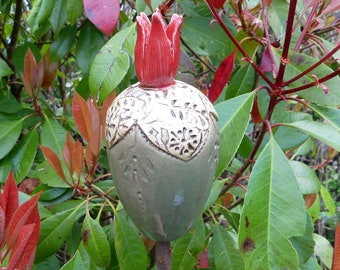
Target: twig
x,y
306,86
306,26
312,67
237,44
286,45
15,29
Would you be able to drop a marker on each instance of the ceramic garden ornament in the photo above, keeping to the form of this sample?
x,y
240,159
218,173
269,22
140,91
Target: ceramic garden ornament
x,y
162,137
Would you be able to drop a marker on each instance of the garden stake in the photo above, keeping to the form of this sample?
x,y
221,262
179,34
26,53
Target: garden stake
x,y
162,140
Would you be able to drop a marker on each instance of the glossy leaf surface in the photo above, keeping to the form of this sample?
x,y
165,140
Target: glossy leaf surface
x,y
130,249
265,233
234,115
95,242
112,62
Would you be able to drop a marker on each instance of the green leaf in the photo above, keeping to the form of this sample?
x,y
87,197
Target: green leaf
x,y
299,62
304,245
23,155
323,249
226,253
74,9
328,200
206,38
54,231
214,192
273,212
86,259
330,114
187,247
48,176
95,241
131,252
311,264
5,70
277,16
89,43
9,133
5,168
241,82
112,62
53,135
61,46
288,137
307,179
58,17
38,18
234,115
75,262
324,132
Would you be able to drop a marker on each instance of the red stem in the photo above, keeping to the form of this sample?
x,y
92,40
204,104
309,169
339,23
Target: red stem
x,y
306,26
306,86
286,45
321,61
237,44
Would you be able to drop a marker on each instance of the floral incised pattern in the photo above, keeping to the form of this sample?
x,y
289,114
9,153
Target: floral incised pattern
x,y
176,119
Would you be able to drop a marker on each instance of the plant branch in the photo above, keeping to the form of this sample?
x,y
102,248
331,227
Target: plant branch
x,y
15,29
317,82
237,44
306,26
286,45
312,67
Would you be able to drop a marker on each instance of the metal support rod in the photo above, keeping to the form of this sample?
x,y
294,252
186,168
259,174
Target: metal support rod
x,y
163,255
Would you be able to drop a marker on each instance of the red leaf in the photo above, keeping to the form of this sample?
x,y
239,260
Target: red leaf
x,y
95,115
107,103
50,71
25,214
267,61
77,158
22,249
204,261
10,198
221,77
53,160
255,112
82,116
103,13
217,3
336,253
30,66
68,148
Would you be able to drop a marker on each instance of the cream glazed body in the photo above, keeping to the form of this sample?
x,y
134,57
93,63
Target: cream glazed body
x,y
163,152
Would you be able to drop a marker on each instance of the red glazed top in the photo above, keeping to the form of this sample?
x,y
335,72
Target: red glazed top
x,y
157,50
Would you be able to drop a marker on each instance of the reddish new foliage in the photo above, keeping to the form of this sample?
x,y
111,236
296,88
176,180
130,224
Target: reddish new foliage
x,y
19,228
221,77
103,13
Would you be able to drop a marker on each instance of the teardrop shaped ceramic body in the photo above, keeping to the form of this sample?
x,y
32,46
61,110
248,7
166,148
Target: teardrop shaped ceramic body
x,y
163,152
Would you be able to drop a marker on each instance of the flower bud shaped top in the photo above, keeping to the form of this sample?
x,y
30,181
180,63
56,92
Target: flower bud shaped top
x,y
162,137
157,50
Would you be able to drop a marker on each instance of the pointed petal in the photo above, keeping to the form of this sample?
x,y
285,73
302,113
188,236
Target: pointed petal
x,y
173,33
158,64
143,29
